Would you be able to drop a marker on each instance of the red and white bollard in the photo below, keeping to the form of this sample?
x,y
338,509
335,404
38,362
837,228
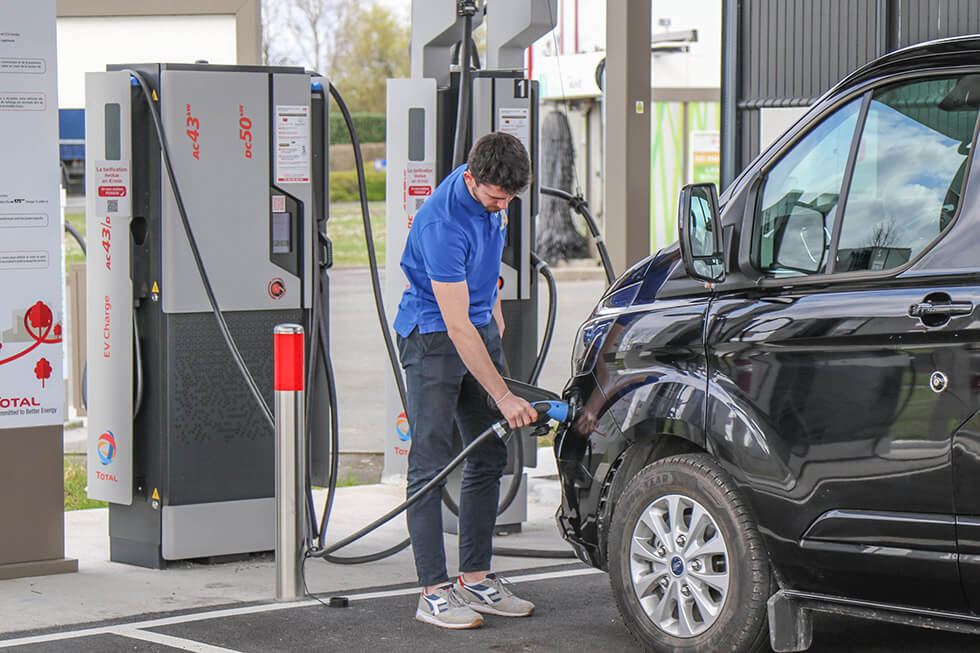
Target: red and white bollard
x,y
290,460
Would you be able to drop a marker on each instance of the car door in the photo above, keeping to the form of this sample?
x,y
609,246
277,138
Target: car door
x,y
836,356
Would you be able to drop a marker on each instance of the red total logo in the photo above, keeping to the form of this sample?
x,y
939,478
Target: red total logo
x,y
18,402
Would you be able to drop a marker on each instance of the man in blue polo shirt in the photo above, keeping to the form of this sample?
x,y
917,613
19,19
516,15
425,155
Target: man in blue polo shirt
x,y
449,326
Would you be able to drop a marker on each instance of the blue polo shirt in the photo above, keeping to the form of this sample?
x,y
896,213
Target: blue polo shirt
x,y
453,238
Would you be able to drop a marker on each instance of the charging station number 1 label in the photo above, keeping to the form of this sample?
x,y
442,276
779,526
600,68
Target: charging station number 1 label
x,y
292,144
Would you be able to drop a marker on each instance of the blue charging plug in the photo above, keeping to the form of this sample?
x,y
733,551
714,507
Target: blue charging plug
x,y
556,410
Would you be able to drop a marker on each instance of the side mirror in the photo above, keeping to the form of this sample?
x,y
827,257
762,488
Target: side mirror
x,y
701,240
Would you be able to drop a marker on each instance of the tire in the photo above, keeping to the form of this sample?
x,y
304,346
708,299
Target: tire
x,y
704,524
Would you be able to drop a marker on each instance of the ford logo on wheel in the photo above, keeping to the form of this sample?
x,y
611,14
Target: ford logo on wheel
x,y
677,566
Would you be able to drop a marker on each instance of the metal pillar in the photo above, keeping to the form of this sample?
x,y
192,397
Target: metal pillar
x,y
729,93
627,97
290,461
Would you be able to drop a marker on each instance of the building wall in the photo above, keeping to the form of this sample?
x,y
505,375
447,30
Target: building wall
x,y
87,44
672,124
93,33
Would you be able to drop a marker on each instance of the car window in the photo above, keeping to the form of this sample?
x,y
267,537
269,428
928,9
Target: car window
x,y
909,171
799,198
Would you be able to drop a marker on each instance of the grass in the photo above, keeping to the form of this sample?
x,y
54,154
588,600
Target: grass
x,y
73,252
548,440
345,228
75,483
345,481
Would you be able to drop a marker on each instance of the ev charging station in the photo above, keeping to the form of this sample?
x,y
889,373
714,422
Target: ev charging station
x,y
178,446
207,200
421,123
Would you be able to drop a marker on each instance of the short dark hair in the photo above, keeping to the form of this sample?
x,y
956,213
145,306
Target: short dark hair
x,y
500,159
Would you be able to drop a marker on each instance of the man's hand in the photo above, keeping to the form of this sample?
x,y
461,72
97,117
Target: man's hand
x,y
517,411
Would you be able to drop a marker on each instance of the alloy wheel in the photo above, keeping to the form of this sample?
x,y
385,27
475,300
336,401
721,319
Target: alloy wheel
x,y
679,565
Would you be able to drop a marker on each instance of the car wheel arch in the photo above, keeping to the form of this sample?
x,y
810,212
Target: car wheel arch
x,y
645,448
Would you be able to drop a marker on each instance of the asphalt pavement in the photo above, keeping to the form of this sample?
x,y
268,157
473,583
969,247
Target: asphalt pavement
x,y
575,612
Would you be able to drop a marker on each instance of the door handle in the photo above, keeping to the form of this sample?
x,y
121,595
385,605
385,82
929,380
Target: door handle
x,y
924,309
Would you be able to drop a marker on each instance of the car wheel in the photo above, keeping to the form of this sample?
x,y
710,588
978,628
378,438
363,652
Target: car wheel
x,y
686,562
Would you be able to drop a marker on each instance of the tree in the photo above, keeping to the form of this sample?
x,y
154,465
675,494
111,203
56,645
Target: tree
x,y
271,19
557,238
375,48
317,29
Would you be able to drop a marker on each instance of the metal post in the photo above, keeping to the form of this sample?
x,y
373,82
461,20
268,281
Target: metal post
x,y
290,461
730,135
627,100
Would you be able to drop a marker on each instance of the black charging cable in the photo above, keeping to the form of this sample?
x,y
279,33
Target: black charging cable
x,y
195,251
580,206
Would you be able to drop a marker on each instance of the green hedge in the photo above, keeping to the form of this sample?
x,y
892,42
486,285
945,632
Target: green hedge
x,y
343,186
370,128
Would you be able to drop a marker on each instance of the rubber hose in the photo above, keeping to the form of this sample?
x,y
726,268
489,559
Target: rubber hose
x,y
81,243
369,239
138,364
515,483
465,91
549,328
582,208
493,430
198,262
323,335
78,237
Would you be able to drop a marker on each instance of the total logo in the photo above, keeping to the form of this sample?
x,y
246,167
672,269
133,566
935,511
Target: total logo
x,y
106,447
402,428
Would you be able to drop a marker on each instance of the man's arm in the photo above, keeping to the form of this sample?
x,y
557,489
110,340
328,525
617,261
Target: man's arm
x,y
454,304
498,316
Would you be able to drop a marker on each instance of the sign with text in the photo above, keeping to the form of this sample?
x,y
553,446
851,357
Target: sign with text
x,y
705,157
31,312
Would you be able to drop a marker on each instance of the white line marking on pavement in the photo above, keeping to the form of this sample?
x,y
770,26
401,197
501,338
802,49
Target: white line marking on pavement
x,y
169,640
257,609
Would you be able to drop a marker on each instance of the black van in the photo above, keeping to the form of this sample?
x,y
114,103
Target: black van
x,y
779,413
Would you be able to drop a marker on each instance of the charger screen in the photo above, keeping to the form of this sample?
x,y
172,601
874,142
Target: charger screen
x,y
282,237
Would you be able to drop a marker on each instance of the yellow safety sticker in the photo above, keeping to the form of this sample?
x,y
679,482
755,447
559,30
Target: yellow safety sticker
x,y
156,288
156,495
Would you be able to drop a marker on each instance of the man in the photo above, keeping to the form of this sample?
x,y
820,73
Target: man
x,y
449,326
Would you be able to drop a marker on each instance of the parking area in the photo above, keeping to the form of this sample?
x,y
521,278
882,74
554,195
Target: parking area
x,y
575,611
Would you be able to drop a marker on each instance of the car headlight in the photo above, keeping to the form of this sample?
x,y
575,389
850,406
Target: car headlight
x,y
588,343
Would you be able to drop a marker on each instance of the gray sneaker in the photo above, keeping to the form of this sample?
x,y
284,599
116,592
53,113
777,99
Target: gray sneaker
x,y
492,596
444,608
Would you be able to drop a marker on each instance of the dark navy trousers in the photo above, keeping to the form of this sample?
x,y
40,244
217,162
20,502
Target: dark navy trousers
x,y
441,390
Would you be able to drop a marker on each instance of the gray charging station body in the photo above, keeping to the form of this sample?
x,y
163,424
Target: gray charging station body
x,y
248,147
